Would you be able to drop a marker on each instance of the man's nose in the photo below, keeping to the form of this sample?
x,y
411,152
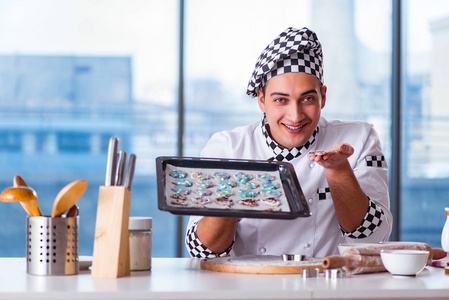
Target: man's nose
x,y
295,112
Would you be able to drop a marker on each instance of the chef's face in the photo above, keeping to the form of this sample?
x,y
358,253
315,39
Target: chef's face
x,y
292,103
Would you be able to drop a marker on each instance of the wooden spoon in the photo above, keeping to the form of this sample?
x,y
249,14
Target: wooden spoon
x,y
72,212
18,181
67,197
31,207
15,194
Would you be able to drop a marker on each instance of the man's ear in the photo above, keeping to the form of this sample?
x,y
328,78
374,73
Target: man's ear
x,y
323,96
261,100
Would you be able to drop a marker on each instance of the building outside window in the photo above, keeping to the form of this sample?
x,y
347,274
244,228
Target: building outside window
x,y
425,121
84,71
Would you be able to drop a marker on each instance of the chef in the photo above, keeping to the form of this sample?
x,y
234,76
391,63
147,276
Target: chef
x,y
346,185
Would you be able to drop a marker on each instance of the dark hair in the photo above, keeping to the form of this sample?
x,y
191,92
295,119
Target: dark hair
x,y
321,88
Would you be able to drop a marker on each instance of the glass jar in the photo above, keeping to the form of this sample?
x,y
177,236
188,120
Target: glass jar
x,y
140,243
445,234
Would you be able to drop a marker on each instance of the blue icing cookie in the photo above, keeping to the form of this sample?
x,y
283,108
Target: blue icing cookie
x,y
226,192
204,184
221,176
180,190
201,176
183,182
227,184
176,174
249,185
242,177
203,192
272,193
248,194
270,186
265,177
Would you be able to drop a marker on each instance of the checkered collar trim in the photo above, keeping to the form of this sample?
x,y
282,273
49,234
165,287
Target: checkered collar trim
x,y
281,153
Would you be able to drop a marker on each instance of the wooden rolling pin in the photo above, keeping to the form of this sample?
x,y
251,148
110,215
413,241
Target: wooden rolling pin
x,y
368,260
355,264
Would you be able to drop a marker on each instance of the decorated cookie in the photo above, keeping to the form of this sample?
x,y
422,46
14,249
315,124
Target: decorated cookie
x,y
177,196
180,190
176,174
243,177
271,201
269,186
201,176
224,201
204,184
221,176
248,202
249,185
317,153
248,194
272,193
265,177
200,200
203,192
179,202
227,184
226,192
183,182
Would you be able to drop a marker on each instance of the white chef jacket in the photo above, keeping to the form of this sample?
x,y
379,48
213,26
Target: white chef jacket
x,y
319,234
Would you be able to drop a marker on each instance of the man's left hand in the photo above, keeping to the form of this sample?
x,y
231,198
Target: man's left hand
x,y
334,158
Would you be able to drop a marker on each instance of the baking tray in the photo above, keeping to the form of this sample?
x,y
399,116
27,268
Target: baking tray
x,y
265,181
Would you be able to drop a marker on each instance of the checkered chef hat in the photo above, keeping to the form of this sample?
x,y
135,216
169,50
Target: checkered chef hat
x,y
294,50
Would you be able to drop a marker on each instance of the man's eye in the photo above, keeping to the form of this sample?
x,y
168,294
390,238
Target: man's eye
x,y
308,99
280,100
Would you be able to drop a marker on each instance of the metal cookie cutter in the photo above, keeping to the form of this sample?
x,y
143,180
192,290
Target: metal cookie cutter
x,y
335,273
293,257
310,273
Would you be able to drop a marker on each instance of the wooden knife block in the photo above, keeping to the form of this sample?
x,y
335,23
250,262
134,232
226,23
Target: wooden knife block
x,y
111,244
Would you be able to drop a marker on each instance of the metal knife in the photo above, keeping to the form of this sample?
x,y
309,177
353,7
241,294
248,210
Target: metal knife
x,y
111,162
130,171
120,167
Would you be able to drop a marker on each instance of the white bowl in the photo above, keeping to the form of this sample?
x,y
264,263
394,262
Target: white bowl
x,y
343,247
404,262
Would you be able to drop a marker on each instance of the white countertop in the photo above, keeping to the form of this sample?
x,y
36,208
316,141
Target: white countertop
x,y
182,278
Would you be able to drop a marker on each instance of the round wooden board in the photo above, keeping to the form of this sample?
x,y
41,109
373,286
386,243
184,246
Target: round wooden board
x,y
259,264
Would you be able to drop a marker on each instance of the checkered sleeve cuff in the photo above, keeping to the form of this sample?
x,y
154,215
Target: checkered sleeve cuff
x,y
372,220
197,249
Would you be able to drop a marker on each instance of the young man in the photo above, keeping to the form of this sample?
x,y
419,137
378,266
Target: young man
x,y
346,188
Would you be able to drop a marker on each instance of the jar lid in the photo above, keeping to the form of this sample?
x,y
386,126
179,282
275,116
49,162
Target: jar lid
x,y
140,223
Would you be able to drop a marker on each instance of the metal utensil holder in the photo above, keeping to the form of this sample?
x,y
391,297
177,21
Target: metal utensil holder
x,y
52,246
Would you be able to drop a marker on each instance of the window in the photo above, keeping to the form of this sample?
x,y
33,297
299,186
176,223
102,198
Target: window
x,y
73,76
84,71
356,38
425,121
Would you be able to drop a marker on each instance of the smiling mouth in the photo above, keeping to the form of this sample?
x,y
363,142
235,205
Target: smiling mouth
x,y
294,127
